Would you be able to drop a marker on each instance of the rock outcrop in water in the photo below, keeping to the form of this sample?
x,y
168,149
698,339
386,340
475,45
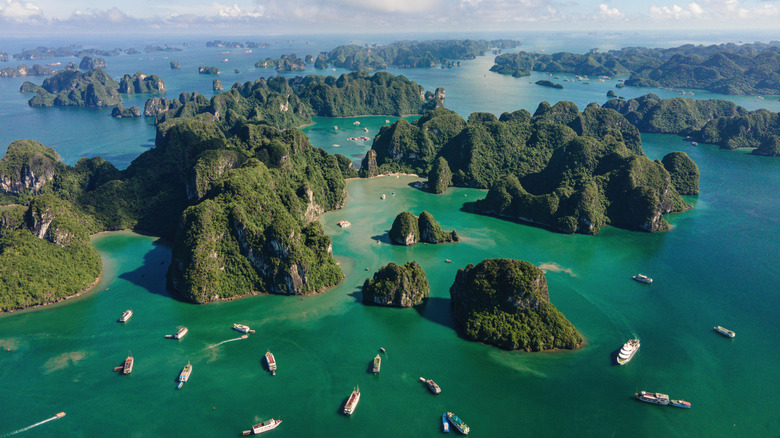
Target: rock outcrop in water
x,y
397,285
409,229
505,302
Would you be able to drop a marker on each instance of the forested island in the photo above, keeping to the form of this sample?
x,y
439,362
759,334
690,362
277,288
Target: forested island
x,y
711,121
93,88
78,52
397,285
409,229
285,63
288,103
407,54
237,44
237,196
563,169
725,68
506,303
23,70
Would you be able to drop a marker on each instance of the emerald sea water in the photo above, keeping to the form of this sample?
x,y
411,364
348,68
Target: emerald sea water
x,y
717,266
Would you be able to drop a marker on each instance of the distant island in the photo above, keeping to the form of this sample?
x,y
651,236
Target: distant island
x,y
3,56
76,51
93,88
409,229
724,68
506,303
407,54
397,285
711,121
550,84
23,70
284,63
206,70
237,44
563,169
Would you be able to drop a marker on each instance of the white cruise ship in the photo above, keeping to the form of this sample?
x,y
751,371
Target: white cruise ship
x,y
628,351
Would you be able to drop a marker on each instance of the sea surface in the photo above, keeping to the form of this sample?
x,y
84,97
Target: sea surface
x,y
716,266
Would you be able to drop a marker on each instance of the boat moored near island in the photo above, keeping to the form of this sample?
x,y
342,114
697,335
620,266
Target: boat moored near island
x,y
655,398
184,375
642,278
242,328
126,316
628,351
725,332
457,423
344,224
265,426
270,360
431,385
352,401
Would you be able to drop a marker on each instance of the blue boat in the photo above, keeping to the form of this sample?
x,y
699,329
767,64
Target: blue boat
x,y
445,426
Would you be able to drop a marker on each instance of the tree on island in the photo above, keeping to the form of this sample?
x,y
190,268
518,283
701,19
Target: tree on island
x,y
397,285
409,229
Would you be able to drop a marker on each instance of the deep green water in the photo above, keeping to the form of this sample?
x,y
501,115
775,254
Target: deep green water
x,y
717,266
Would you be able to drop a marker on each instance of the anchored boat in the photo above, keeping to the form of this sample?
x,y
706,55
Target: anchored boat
x,y
643,279
265,426
655,398
271,361
352,401
377,364
179,334
431,385
445,425
126,316
128,367
242,328
725,332
457,423
184,375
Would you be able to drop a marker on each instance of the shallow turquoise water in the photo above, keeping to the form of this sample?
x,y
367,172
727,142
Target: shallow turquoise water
x,y
717,266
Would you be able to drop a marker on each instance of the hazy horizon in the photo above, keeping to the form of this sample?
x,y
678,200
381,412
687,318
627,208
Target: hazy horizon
x,y
295,17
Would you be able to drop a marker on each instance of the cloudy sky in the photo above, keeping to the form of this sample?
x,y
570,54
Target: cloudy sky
x,y
347,16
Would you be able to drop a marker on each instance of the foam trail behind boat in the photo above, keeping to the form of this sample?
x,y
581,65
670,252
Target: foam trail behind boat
x,y
25,429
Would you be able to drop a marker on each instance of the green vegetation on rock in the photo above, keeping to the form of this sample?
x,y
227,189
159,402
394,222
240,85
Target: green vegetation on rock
x,y
725,68
408,229
396,285
550,84
564,169
284,63
505,302
407,54
440,176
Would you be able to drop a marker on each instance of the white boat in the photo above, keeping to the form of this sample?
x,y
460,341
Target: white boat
x,y
242,328
643,279
352,401
628,351
725,332
184,375
271,361
179,334
344,224
655,398
680,404
431,385
126,316
265,426
383,196
377,364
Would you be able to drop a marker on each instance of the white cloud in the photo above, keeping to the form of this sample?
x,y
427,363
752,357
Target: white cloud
x,y
606,12
99,16
14,10
235,11
676,12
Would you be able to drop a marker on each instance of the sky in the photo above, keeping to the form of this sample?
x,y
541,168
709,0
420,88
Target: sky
x,y
18,17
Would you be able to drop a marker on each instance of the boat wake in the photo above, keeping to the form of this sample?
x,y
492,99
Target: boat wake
x,y
229,340
25,429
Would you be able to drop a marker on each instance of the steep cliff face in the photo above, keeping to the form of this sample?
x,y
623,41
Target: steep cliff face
x,y
506,303
27,167
398,286
405,229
